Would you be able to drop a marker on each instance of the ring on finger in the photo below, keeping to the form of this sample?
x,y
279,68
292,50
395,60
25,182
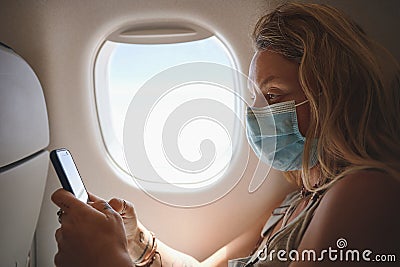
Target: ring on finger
x,y
122,212
60,213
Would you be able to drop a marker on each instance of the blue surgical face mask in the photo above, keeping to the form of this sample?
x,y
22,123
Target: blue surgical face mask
x,y
273,133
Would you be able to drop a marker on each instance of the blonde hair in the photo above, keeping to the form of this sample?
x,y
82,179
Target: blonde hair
x,y
354,103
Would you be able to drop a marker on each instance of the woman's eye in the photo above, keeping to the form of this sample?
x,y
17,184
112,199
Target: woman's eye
x,y
271,96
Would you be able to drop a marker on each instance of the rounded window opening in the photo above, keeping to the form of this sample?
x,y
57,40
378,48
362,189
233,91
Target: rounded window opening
x,y
123,68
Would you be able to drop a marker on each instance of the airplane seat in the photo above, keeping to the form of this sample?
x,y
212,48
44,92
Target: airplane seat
x,y
24,136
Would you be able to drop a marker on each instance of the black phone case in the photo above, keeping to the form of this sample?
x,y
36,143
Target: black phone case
x,y
59,170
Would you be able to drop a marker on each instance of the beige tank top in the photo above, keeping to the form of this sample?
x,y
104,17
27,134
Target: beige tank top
x,y
287,238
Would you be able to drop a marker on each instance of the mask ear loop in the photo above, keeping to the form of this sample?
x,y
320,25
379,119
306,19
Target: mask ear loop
x,y
299,104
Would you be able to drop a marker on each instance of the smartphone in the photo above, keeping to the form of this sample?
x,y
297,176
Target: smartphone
x,y
68,174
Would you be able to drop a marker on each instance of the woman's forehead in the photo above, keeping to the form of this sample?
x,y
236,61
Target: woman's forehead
x,y
267,64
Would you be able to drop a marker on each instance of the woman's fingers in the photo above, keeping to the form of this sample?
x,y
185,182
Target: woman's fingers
x,y
118,205
57,259
66,200
94,198
103,207
123,207
72,210
78,239
58,235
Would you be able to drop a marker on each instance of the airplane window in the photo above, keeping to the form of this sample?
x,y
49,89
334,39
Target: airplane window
x,y
122,71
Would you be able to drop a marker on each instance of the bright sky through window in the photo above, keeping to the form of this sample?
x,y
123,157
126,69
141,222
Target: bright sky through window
x,y
122,69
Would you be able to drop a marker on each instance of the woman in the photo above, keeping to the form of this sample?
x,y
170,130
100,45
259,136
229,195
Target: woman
x,y
337,118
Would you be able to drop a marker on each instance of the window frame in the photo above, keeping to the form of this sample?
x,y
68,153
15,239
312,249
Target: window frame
x,y
122,37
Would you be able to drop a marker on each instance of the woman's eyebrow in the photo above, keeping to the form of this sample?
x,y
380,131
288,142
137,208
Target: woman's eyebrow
x,y
268,80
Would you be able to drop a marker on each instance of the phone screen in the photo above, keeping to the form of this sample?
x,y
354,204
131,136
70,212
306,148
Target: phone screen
x,y
72,174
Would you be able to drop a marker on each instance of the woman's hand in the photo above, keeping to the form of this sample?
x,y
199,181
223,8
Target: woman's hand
x,y
90,234
137,236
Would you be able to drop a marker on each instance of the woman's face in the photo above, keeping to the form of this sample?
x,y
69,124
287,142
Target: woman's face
x,y
278,81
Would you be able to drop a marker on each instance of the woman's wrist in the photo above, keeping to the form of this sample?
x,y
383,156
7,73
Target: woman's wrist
x,y
142,247
138,243
148,255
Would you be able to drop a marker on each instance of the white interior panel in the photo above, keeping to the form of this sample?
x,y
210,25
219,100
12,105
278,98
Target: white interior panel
x,y
22,189
24,126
